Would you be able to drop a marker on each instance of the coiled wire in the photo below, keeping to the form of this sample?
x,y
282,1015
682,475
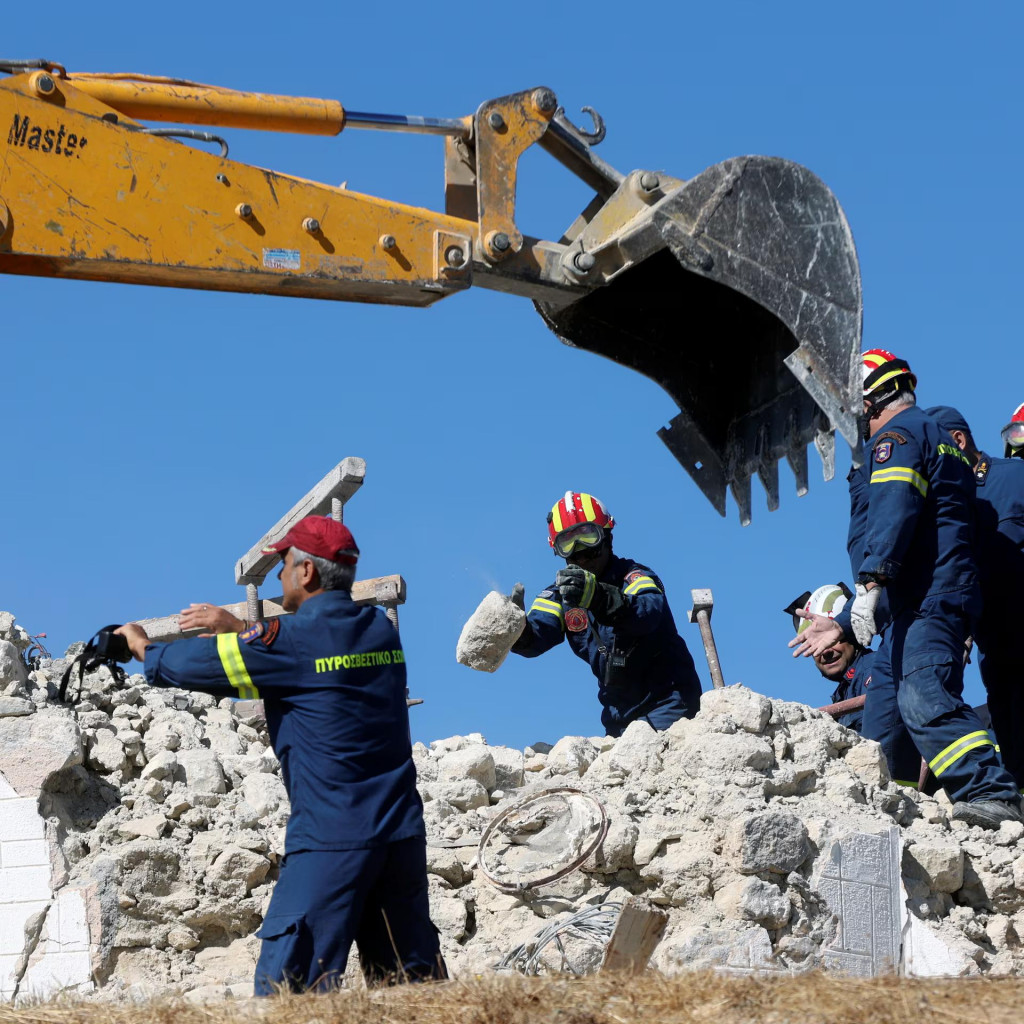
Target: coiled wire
x,y
592,925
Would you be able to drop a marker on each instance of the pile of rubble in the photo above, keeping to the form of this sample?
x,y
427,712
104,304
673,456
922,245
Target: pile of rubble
x,y
150,823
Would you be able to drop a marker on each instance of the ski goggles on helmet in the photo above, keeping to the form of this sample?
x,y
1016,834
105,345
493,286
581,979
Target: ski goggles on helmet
x,y
1013,436
582,535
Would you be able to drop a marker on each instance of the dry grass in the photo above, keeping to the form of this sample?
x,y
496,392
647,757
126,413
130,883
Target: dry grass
x,y
704,997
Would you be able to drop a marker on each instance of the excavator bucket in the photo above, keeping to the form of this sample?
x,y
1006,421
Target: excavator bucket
x,y
739,293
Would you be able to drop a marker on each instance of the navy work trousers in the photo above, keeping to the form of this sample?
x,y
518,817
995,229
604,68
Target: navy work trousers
x,y
658,715
326,900
883,722
1003,676
927,648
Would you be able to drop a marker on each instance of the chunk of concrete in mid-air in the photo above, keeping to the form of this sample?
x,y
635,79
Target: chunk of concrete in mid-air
x,y
490,632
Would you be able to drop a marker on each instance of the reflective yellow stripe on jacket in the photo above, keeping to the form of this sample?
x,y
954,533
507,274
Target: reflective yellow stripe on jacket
x,y
230,653
641,583
541,604
901,474
951,754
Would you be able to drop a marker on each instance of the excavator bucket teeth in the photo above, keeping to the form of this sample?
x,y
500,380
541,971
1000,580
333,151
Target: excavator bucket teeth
x,y
739,293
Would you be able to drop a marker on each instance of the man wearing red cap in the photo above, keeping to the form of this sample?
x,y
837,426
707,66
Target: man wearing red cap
x,y
332,679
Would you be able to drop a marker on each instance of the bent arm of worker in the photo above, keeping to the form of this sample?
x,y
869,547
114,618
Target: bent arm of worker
x,y
545,625
897,492
238,665
635,610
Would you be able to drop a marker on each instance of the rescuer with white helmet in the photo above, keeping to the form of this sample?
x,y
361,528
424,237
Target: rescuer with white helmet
x,y
845,663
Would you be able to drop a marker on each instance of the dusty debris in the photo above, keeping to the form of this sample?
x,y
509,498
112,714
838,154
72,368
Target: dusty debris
x,y
155,821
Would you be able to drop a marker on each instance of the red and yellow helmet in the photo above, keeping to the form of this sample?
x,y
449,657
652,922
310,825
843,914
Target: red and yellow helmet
x,y
885,373
574,509
1013,434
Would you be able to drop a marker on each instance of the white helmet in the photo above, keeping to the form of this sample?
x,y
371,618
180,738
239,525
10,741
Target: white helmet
x,y
828,600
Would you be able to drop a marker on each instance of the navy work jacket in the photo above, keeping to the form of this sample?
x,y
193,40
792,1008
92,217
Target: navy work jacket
x,y
854,683
919,527
658,661
332,680
999,546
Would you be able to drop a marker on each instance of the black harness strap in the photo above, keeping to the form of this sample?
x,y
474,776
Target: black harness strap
x,y
105,648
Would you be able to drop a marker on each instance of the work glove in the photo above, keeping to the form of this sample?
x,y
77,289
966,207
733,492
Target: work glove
x,y
580,589
862,613
516,597
576,586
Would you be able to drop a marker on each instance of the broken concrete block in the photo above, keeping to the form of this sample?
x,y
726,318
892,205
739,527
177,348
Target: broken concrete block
x,y
235,864
571,755
765,903
940,865
12,707
749,710
724,752
264,793
106,753
152,826
773,841
464,795
490,632
35,747
12,668
508,767
868,761
472,762
444,863
200,771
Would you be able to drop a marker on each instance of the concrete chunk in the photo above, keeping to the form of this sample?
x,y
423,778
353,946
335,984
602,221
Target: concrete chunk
x,y
490,632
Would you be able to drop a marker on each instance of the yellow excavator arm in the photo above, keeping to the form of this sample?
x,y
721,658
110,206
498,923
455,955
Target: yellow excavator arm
x,y
738,291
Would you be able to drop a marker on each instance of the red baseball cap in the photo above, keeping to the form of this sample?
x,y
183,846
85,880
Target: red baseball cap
x,y
320,536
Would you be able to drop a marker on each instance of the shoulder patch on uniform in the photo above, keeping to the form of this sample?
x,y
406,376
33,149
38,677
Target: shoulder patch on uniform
x,y
546,593
252,633
270,633
893,435
576,620
636,574
883,451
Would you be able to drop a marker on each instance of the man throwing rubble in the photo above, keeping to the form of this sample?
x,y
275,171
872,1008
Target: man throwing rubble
x,y
616,617
917,538
332,679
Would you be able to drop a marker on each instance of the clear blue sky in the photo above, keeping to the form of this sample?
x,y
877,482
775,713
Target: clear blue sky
x,y
152,435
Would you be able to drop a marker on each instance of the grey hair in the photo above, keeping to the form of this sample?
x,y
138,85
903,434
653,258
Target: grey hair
x,y
903,399
333,575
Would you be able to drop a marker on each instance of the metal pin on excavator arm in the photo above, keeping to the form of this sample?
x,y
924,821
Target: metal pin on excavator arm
x,y
738,290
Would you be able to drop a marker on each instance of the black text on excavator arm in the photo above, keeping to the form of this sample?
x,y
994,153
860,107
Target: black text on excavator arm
x,y
737,290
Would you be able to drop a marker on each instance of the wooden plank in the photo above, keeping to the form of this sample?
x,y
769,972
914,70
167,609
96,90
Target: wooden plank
x,y
844,707
638,930
342,482
383,590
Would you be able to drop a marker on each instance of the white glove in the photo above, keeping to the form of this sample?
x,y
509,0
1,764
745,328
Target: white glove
x,y
862,613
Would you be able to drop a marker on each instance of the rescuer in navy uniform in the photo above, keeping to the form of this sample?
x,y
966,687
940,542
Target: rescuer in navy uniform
x,y
999,549
918,540
881,720
332,679
616,616
845,663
